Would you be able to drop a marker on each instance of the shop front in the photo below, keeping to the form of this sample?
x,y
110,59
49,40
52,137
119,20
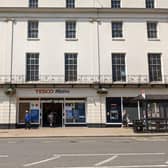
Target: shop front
x,y
115,107
65,110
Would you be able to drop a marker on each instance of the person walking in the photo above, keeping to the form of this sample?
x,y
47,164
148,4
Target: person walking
x,y
51,118
27,120
125,119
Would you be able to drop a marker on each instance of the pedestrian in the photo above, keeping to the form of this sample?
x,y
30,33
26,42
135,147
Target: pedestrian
x,y
27,120
51,118
125,119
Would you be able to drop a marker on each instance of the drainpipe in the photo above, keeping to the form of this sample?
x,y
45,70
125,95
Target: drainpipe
x,y
11,68
98,45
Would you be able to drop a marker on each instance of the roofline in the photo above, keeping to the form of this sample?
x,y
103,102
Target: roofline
x,y
83,10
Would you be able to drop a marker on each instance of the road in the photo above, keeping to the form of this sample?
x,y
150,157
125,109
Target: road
x,y
97,152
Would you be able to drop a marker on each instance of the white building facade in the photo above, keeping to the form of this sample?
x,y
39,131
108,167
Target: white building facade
x,y
85,61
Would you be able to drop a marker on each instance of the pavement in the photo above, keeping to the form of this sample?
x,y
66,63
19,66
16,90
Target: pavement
x,y
73,132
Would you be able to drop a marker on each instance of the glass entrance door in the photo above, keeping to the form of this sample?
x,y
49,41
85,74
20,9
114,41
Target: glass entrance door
x,y
113,109
52,115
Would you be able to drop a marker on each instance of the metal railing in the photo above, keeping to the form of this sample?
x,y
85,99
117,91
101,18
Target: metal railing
x,y
81,79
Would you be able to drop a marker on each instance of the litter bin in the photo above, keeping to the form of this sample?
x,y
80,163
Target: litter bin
x,y
138,126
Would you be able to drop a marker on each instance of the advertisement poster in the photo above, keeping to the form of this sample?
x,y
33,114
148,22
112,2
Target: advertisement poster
x,y
69,112
35,113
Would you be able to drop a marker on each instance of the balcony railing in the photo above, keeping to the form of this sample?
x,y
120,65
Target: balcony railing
x,y
81,79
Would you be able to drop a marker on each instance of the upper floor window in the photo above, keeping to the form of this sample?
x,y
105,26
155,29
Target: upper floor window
x,y
117,30
70,66
70,29
33,3
32,29
115,3
32,66
154,64
150,3
70,3
152,30
118,67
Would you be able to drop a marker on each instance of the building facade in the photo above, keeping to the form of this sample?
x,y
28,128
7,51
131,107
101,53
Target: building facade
x,y
83,60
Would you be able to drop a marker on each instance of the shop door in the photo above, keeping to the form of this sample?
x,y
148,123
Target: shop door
x,y
56,110
113,110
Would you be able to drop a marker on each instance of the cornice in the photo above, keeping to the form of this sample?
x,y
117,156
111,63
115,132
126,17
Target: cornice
x,y
83,10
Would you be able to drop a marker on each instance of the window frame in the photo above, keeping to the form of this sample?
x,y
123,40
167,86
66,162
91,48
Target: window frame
x,y
152,30
117,31
33,29
70,67
155,70
149,4
32,74
118,67
70,29
115,3
33,3
70,3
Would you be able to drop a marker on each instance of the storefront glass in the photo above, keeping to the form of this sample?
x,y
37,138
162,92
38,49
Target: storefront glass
x,y
33,108
131,107
113,109
22,110
75,113
157,110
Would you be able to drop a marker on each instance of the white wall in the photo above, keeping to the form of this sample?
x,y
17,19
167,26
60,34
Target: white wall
x,y
83,3
133,3
13,3
4,109
52,45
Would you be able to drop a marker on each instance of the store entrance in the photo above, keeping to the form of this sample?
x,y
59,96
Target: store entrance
x,y
54,109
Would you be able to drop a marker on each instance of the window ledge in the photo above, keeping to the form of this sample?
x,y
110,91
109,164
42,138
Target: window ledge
x,y
33,39
71,39
153,39
118,39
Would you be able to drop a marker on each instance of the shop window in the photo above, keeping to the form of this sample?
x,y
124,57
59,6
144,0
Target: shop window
x,y
22,110
75,112
113,110
131,108
156,109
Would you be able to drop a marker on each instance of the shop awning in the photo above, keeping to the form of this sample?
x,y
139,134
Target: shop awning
x,y
152,97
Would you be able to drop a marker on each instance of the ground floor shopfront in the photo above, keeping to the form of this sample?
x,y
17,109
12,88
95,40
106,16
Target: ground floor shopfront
x,y
79,106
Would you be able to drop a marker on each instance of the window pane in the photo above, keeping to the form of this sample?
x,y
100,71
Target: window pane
x,y
70,29
22,110
75,112
70,67
32,66
33,3
117,29
115,3
32,29
118,67
152,29
154,62
150,4
70,3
